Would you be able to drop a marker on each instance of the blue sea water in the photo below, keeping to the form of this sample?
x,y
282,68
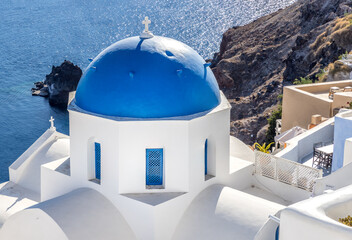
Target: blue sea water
x,y
36,34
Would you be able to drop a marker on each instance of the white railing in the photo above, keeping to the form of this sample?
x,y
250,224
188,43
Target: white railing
x,y
286,171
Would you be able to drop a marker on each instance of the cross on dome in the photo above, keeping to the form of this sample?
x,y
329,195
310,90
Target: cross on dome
x,y
146,22
146,34
52,123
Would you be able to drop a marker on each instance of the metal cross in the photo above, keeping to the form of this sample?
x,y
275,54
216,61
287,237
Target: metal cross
x,y
146,22
52,122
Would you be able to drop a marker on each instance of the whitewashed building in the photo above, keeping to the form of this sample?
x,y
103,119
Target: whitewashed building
x,y
149,156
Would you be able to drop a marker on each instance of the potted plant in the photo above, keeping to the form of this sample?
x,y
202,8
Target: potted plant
x,y
263,148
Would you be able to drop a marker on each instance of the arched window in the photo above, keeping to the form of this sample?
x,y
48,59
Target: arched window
x,y
97,160
209,160
94,160
206,157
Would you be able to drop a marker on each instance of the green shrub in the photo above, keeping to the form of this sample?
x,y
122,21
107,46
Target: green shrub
x,y
343,56
270,134
302,80
321,76
349,105
347,220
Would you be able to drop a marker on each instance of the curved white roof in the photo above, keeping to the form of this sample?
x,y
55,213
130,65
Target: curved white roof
x,y
81,214
221,212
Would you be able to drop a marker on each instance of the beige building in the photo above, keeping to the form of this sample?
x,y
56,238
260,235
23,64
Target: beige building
x,y
301,102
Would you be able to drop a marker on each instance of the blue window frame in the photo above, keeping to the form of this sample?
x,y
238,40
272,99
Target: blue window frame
x,y
206,157
97,160
154,166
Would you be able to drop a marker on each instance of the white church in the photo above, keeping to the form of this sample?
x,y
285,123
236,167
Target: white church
x,y
149,156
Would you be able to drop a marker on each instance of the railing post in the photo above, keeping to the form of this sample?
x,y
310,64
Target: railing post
x,y
255,162
275,169
297,174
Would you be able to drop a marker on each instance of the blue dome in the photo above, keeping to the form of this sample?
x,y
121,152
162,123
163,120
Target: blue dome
x,y
148,78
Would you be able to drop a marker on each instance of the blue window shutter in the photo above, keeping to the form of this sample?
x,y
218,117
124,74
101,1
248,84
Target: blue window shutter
x,y
154,166
206,157
97,160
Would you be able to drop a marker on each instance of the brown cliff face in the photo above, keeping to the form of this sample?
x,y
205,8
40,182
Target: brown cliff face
x,y
257,59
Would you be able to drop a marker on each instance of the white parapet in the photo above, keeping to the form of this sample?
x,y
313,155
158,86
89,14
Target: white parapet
x,y
283,170
317,218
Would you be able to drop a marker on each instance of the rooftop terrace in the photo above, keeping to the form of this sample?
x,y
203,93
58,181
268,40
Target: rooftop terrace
x,y
297,112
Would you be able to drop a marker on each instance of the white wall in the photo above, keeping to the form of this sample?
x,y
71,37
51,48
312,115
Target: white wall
x,y
215,128
240,150
84,128
135,137
123,149
302,145
317,218
296,225
347,157
51,146
123,157
54,183
124,143
20,162
336,180
287,192
18,167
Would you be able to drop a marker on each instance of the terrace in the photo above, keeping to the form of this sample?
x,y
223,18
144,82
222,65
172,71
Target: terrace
x,y
324,99
326,146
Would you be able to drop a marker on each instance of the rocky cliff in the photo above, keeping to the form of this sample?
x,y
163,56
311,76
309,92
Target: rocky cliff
x,y
339,70
57,85
256,60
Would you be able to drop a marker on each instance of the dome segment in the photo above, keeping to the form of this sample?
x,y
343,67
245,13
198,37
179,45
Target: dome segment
x,y
148,78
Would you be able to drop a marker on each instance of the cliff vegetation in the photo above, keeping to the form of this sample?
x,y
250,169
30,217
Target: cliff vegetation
x,y
257,60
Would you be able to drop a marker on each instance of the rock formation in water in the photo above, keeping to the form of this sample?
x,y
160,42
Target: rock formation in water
x,y
256,60
57,85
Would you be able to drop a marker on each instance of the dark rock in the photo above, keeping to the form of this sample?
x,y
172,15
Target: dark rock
x,y
40,90
59,83
300,40
44,92
39,85
257,59
62,80
261,134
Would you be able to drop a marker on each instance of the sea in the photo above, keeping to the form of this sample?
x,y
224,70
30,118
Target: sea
x,y
36,34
